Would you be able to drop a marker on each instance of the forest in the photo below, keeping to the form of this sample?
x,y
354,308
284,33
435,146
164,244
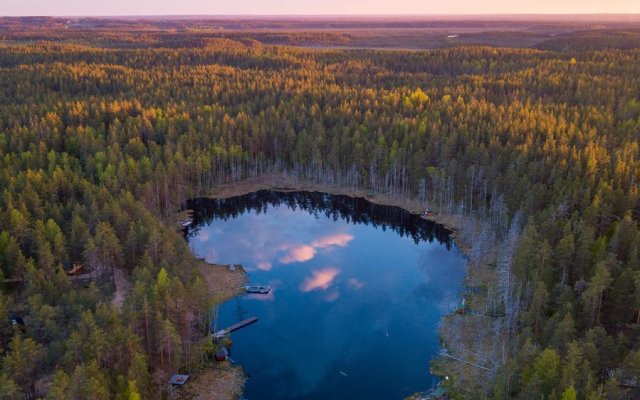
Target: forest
x,y
106,133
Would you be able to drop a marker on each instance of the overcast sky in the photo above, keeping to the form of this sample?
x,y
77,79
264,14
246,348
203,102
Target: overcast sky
x,y
310,7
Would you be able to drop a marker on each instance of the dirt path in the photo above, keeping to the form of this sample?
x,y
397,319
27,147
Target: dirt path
x,y
122,287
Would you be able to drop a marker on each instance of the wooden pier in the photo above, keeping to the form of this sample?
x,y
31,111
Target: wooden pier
x,y
224,332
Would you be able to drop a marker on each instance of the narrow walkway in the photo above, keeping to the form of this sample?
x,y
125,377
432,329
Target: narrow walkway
x,y
122,287
222,333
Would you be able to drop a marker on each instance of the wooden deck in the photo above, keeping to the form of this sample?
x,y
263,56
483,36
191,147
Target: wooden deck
x,y
222,333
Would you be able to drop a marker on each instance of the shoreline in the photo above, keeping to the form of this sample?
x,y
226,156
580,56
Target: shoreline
x,y
286,184
219,380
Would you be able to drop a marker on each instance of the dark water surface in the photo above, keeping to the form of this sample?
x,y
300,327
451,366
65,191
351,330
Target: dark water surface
x,y
357,292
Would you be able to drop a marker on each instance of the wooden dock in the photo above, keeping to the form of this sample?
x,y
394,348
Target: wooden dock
x,y
257,289
224,332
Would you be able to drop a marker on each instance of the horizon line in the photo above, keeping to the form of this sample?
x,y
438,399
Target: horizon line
x,y
497,14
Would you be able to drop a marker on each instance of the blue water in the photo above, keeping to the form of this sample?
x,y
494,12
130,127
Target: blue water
x,y
354,307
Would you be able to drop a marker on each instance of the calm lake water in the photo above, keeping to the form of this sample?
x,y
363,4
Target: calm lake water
x,y
357,292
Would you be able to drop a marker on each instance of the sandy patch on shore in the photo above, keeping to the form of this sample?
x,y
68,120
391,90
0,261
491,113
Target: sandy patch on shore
x,y
223,284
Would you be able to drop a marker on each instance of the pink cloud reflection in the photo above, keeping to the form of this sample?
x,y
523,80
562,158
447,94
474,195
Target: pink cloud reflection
x,y
299,254
354,283
302,253
339,239
264,265
320,279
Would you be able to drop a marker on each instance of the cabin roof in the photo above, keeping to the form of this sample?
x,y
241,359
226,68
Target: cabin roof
x,y
178,379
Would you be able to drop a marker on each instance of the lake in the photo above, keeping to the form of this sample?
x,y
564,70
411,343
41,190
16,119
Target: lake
x,y
357,293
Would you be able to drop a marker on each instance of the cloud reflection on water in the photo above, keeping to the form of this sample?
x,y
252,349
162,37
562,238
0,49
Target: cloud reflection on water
x,y
264,265
203,236
355,283
332,296
320,279
332,278
268,242
339,239
305,252
300,253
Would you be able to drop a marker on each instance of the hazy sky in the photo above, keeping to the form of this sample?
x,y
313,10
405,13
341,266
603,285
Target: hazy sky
x,y
300,7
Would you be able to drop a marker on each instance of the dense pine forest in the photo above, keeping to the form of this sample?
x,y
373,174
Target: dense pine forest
x,y
102,141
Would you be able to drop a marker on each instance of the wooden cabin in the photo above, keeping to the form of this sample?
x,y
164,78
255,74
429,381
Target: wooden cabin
x,y
222,354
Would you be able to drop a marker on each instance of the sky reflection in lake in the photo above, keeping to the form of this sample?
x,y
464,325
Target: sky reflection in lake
x,y
347,299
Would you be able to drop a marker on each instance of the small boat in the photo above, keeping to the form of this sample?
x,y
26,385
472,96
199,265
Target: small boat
x,y
186,223
258,289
